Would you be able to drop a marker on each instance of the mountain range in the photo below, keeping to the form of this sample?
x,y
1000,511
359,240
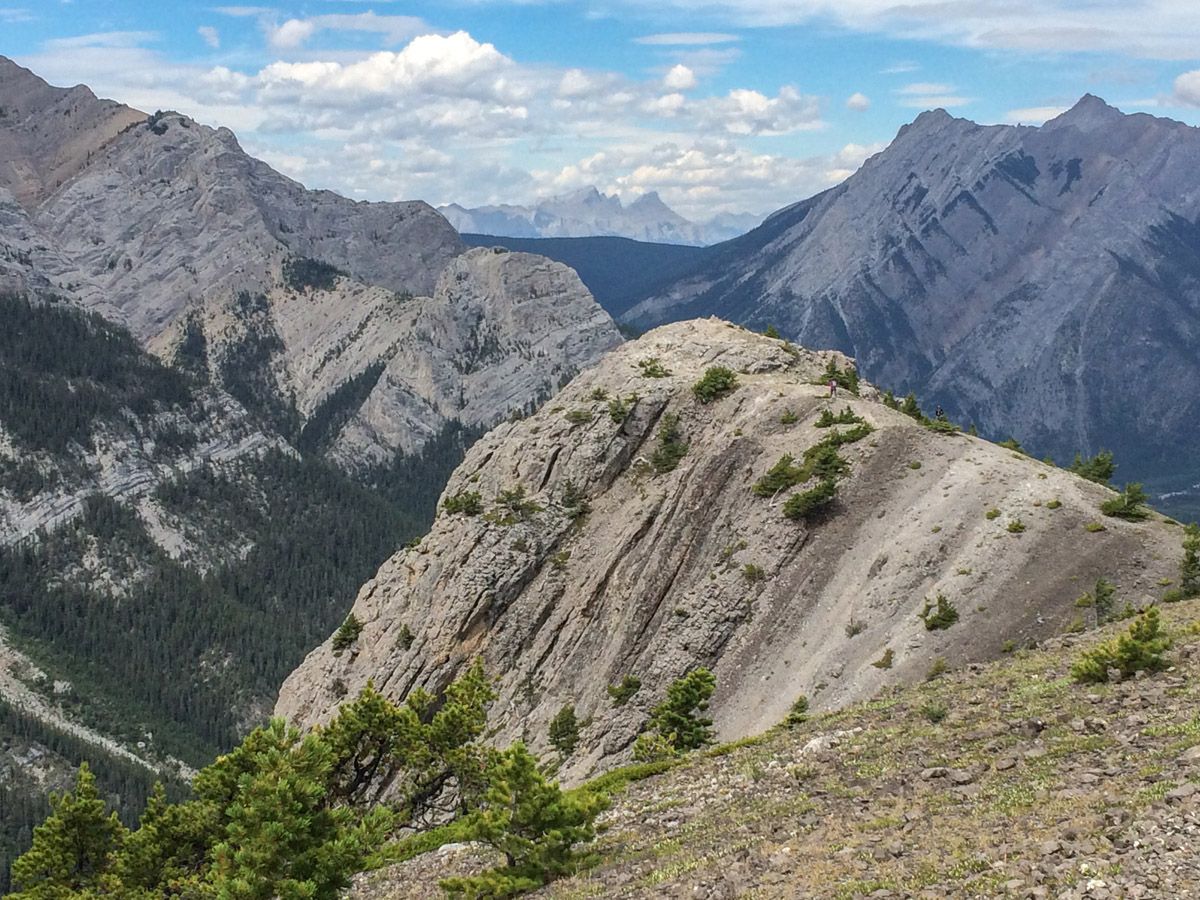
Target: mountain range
x,y
224,400
589,213
1040,282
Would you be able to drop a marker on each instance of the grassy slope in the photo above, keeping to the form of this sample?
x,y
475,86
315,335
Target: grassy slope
x,y
845,804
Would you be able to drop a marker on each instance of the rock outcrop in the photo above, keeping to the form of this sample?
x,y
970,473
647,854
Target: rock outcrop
x,y
1041,282
588,563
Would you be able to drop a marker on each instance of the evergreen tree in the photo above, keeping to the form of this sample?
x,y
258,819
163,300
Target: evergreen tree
x,y
74,849
1099,468
564,731
1189,567
532,822
678,718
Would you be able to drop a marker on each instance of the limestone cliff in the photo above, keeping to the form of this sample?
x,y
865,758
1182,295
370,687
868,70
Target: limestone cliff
x,y
606,566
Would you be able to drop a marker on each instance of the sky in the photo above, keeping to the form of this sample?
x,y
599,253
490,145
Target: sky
x,y
719,105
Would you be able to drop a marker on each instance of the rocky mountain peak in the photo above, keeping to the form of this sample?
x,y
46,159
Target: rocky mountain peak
x,y
624,530
1088,114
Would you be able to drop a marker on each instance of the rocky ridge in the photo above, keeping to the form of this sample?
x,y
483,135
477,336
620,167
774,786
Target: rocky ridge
x,y
587,565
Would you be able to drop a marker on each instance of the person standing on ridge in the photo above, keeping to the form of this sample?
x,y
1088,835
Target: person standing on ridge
x,y
832,388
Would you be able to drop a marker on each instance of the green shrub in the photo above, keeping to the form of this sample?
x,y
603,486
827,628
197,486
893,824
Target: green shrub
x,y
652,368
1102,598
915,464
405,637
937,670
771,332
788,418
846,417
798,714
598,394
671,445
1140,649
512,506
466,503
1013,444
1099,468
1008,646
1189,566
564,731
836,438
806,503
845,378
622,693
579,416
911,408
939,614
1016,526
715,384
1054,504
941,426
618,410
347,633
885,661
753,574
935,711
1130,504
652,748
855,627
992,513
781,476
574,500
1093,527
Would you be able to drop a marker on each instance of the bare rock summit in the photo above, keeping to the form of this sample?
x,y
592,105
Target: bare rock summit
x,y
577,556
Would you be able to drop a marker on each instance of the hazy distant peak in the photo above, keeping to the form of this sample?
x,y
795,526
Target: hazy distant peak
x,y
588,212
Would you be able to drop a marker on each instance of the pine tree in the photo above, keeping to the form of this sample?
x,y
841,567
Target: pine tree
x,y
74,849
678,718
532,822
564,731
1189,567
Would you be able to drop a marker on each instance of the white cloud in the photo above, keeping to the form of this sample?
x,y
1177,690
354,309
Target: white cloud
x,y
296,32
450,118
1159,29
1187,88
858,102
11,15
1033,115
747,112
113,39
210,35
901,68
679,78
291,33
930,95
686,38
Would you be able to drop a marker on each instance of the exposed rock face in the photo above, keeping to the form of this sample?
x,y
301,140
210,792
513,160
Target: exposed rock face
x,y
589,213
1043,282
354,329
670,571
48,135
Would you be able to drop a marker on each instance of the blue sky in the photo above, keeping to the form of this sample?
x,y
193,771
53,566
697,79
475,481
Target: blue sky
x,y
721,106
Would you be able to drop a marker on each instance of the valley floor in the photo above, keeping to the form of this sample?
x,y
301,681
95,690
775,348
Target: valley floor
x,y
1029,785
